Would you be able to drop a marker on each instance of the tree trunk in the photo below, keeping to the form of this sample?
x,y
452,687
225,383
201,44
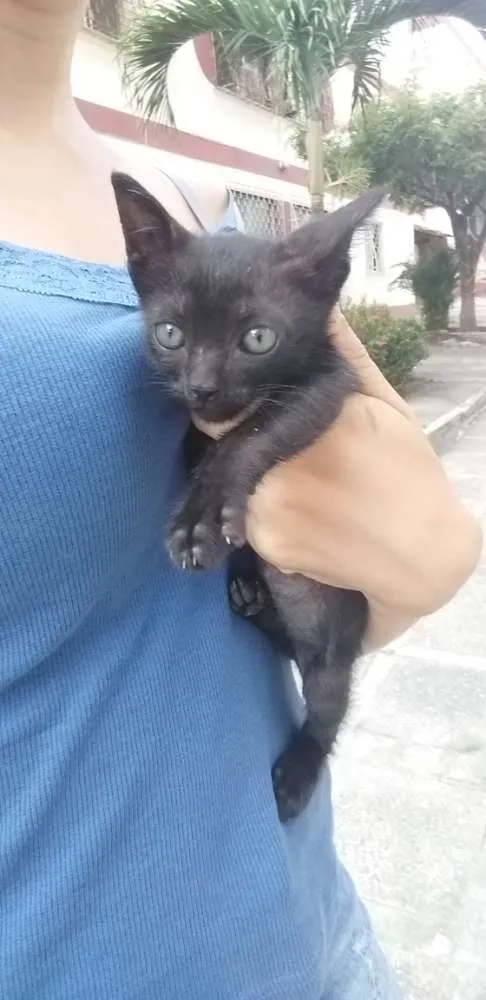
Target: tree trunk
x,y
316,166
467,319
468,251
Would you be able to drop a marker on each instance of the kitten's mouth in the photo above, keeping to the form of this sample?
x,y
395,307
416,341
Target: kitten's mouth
x,y
215,426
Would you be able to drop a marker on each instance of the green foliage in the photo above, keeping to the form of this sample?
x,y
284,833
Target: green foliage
x,y
432,152
433,280
298,45
305,41
395,345
429,151
343,172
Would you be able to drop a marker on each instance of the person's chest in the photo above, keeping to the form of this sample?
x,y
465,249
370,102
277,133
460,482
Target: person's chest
x,y
91,456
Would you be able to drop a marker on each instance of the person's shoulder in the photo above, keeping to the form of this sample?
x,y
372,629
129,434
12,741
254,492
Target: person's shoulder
x,y
194,205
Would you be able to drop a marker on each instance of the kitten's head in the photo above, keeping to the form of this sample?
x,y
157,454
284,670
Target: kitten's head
x,y
231,318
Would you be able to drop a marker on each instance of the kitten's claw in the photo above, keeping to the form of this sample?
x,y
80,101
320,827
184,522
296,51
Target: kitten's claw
x,y
194,546
233,527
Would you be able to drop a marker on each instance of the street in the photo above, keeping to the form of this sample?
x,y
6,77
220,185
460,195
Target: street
x,y
410,782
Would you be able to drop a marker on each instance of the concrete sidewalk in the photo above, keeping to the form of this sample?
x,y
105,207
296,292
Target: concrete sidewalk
x,y
410,781
451,374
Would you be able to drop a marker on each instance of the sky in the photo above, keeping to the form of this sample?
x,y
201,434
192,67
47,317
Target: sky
x,y
447,57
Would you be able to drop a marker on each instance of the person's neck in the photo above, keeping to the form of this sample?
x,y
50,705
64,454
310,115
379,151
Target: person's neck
x,y
36,44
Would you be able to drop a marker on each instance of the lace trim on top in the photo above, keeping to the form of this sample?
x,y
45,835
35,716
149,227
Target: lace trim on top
x,y
44,273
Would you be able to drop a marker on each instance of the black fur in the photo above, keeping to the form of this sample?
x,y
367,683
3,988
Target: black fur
x,y
215,289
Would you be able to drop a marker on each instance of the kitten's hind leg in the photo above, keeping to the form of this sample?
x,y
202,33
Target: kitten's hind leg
x,y
250,598
296,773
326,674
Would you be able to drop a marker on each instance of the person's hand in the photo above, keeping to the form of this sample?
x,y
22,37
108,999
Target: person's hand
x,y
369,507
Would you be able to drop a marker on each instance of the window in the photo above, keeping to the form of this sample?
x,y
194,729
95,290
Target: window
x,y
374,248
261,216
104,16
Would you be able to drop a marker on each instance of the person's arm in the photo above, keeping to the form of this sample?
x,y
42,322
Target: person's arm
x,y
369,507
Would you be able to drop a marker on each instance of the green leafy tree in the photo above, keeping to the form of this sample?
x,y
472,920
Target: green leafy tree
x,y
302,42
433,280
344,173
432,152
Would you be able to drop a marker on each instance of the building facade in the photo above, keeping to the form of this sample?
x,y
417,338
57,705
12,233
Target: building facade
x,y
226,131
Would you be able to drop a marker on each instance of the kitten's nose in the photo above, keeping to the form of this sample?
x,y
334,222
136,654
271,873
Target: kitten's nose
x,y
201,393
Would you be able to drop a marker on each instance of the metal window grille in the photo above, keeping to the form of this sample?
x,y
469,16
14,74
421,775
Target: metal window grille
x,y
374,248
261,216
299,215
357,244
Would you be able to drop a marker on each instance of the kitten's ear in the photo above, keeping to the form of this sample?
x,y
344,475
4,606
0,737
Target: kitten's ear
x,y
317,254
151,234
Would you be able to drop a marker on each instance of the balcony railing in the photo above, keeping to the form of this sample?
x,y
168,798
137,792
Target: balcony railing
x,y
261,84
105,16
256,82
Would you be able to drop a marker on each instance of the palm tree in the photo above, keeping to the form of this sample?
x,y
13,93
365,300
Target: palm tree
x,y
304,42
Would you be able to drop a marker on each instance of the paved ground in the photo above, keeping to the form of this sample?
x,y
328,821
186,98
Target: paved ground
x,y
410,782
452,373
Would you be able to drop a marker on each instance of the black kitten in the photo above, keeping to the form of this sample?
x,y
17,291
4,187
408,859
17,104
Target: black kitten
x,y
236,325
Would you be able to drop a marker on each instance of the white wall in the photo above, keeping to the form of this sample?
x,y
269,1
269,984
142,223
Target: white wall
x,y
95,73
202,109
196,170
397,247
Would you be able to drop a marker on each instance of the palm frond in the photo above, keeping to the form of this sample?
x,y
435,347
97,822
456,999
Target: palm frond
x,y
153,36
304,41
367,62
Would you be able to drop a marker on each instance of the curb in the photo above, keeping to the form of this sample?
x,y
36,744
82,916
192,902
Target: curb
x,y
478,337
443,432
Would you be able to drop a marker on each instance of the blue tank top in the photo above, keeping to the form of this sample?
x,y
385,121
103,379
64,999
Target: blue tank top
x,y
141,857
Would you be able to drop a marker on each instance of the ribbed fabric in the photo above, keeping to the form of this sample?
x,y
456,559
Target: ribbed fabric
x,y
141,857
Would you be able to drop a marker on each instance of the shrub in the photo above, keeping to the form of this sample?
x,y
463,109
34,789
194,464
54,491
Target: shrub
x,y
432,280
396,345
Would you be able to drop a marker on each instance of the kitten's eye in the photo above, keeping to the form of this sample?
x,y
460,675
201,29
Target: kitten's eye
x,y
169,336
259,340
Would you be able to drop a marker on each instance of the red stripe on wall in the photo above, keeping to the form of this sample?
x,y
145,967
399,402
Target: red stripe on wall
x,y
204,46
122,125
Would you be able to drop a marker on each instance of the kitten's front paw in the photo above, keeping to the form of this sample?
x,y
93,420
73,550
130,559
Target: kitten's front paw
x,y
195,545
233,527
